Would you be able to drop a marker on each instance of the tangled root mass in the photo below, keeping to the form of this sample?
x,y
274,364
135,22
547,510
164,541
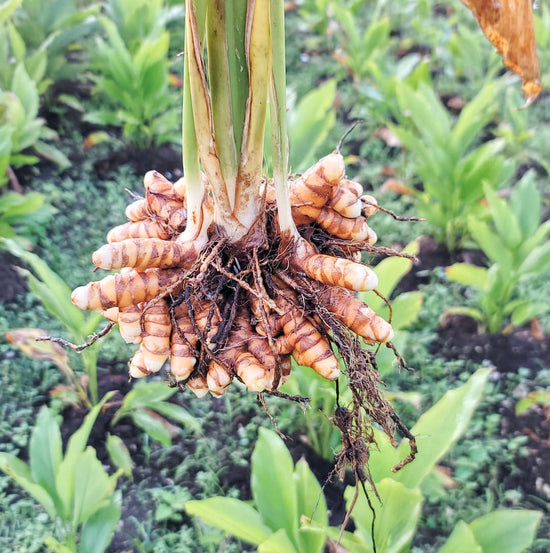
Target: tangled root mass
x,y
243,310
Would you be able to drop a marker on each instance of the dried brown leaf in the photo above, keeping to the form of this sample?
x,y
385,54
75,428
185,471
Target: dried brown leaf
x,y
508,24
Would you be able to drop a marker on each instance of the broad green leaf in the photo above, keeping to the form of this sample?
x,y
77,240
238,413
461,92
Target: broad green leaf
x,y
51,153
21,474
279,542
526,204
406,308
25,89
472,312
231,515
537,261
309,124
154,425
312,505
507,531
54,290
504,219
119,454
178,414
75,447
97,532
7,8
470,275
428,114
389,271
143,394
46,451
439,428
525,311
17,43
462,539
92,486
272,483
473,117
396,515
489,242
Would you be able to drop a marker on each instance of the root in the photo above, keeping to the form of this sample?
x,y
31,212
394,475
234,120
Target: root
x,y
78,348
220,311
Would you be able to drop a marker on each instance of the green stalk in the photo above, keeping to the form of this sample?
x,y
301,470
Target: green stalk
x,y
220,84
279,137
258,57
194,188
238,74
202,117
225,114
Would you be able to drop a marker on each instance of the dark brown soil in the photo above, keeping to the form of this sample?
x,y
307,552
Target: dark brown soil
x,y
431,255
459,339
164,159
11,284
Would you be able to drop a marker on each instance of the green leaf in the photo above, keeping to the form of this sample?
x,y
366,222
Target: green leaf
x,y
155,426
7,8
439,428
507,531
489,242
178,414
525,202
272,483
21,474
537,261
406,308
92,486
461,539
526,310
279,542
312,505
25,89
231,515
97,532
470,275
389,271
54,293
396,515
17,43
472,312
504,219
75,447
45,452
53,154
119,454
309,123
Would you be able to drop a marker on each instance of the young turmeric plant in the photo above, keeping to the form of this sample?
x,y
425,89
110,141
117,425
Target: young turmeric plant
x,y
228,273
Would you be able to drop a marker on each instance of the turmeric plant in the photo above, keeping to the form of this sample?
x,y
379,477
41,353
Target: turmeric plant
x,y
228,273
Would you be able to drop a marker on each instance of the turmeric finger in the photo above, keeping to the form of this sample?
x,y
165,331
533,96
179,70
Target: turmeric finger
x,y
144,253
198,386
157,329
129,323
137,368
137,210
147,228
343,227
217,379
184,338
333,270
124,289
355,314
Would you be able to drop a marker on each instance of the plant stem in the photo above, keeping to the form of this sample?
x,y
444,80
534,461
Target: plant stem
x,y
279,139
